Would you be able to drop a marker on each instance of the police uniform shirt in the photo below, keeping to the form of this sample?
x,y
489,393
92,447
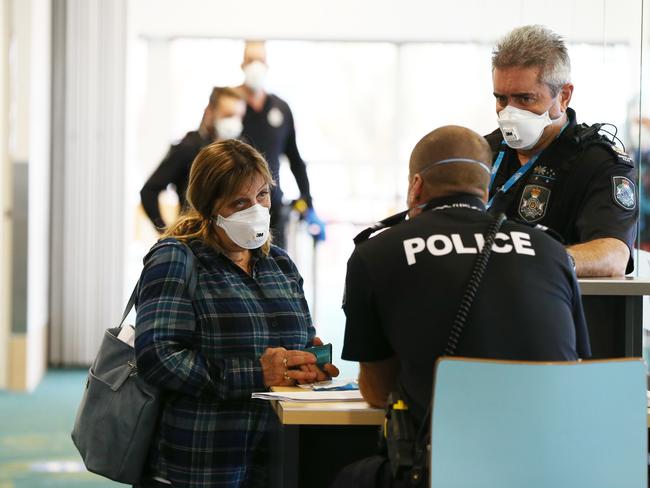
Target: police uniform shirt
x,y
271,131
582,190
403,288
175,169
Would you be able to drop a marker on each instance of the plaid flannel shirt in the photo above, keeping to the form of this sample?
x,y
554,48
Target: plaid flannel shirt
x,y
203,352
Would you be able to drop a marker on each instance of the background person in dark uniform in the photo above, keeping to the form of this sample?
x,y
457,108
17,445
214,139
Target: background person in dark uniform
x,y
551,171
404,285
222,119
268,126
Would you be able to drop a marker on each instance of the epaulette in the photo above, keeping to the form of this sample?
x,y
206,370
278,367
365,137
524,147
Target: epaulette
x,y
391,221
587,135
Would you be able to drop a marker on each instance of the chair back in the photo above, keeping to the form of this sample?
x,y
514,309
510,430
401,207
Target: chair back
x,y
503,424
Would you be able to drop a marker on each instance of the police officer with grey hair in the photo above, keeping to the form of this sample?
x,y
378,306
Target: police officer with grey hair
x,y
404,285
549,170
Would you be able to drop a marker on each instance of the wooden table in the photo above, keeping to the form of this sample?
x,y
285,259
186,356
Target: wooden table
x,y
325,413
313,441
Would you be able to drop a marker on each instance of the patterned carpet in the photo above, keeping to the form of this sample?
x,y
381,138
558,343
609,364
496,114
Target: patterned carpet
x,y
35,446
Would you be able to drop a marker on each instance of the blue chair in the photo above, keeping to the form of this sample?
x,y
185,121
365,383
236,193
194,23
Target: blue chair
x,y
510,424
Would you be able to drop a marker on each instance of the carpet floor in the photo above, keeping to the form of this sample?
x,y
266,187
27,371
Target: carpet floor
x,y
36,450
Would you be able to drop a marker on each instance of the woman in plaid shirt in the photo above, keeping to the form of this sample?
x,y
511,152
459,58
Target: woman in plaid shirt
x,y
239,329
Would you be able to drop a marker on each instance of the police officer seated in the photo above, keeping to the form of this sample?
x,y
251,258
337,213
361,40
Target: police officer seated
x,y
404,285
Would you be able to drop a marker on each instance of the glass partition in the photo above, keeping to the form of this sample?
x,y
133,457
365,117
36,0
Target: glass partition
x,y
639,134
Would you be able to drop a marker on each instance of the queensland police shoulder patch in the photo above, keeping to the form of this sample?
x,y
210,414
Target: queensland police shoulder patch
x,y
624,192
533,203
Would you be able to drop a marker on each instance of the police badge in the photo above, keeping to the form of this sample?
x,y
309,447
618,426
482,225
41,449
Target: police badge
x,y
533,203
624,192
275,117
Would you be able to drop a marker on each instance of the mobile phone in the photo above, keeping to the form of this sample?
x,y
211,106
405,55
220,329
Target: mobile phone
x,y
323,354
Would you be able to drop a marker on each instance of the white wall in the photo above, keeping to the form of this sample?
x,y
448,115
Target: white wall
x,y
25,97
5,196
407,20
38,265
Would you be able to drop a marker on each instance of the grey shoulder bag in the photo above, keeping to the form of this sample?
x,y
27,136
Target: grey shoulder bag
x,y
119,411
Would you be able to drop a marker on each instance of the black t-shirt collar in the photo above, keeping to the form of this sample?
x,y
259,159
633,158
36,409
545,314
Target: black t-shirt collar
x,y
452,201
572,120
458,200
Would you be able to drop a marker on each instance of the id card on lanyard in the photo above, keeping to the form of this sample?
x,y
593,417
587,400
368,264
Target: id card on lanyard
x,y
520,173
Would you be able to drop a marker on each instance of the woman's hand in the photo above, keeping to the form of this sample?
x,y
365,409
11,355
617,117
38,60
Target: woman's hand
x,y
277,364
329,371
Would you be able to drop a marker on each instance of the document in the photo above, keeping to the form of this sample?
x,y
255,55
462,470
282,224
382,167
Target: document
x,y
340,384
310,396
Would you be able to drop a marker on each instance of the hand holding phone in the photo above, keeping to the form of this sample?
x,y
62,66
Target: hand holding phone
x,y
323,354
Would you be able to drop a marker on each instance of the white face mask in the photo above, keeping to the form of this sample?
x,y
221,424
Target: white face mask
x,y
247,228
255,75
228,127
522,129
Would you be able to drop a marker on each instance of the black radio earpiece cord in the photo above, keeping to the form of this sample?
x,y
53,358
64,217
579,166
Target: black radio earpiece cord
x,y
595,129
472,287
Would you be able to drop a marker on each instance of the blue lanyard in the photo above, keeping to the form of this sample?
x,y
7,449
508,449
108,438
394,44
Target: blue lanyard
x,y
495,166
514,178
518,174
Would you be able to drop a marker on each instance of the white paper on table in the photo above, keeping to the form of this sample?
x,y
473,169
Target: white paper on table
x,y
333,384
310,396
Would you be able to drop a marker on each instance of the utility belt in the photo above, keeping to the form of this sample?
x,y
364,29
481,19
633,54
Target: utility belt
x,y
408,444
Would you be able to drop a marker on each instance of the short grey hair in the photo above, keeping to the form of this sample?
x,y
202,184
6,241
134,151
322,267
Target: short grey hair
x,y
535,45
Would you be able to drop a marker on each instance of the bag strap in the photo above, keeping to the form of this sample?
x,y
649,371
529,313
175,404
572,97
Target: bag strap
x,y
455,335
190,279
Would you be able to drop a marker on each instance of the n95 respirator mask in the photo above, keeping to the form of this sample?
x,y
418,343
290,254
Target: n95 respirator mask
x,y
522,129
247,228
228,127
255,75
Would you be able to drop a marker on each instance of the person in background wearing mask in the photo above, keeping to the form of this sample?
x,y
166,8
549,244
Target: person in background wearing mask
x,y
241,329
269,127
549,170
222,119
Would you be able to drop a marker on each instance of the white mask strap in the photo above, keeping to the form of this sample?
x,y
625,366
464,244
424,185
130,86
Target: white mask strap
x,y
482,165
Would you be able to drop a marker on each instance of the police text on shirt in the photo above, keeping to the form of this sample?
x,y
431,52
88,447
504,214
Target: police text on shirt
x,y
442,245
